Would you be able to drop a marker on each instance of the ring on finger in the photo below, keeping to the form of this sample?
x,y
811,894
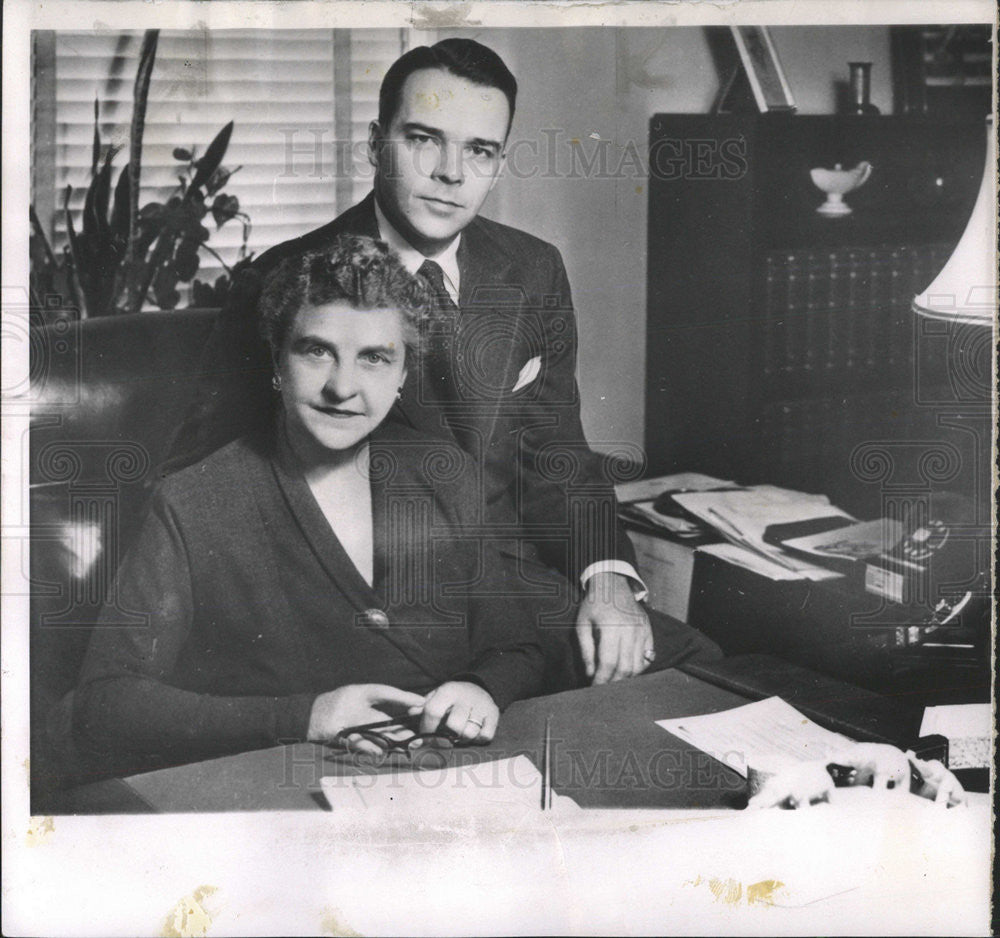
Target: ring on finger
x,y
649,655
478,723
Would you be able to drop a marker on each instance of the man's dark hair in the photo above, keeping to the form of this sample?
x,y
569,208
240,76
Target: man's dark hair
x,y
357,270
465,58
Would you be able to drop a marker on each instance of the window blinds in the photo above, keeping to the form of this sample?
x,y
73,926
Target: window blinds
x,y
300,100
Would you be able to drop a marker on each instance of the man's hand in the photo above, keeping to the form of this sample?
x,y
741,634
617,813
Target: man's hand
x,y
615,638
464,708
353,705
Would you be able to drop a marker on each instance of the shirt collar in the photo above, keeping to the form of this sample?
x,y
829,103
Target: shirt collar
x,y
412,258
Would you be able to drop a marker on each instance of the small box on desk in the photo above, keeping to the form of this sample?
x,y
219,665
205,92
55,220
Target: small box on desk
x,y
666,564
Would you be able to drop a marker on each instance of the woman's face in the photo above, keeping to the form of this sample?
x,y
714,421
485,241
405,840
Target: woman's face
x,y
340,371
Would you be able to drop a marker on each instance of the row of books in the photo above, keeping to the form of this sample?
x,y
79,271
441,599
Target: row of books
x,y
842,311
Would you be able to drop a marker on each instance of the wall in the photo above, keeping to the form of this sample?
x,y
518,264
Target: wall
x,y
578,83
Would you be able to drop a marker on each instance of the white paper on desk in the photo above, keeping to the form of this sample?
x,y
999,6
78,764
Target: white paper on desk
x,y
758,563
854,542
646,489
743,515
969,728
768,735
459,789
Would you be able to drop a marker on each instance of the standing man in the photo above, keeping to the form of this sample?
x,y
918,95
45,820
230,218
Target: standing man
x,y
499,373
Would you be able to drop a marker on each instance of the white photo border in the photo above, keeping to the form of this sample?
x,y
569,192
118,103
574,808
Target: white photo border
x,y
611,872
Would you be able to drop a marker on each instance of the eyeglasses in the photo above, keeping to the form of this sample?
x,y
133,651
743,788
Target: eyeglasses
x,y
385,735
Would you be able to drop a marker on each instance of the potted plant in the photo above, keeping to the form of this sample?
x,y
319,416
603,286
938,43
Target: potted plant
x,y
123,256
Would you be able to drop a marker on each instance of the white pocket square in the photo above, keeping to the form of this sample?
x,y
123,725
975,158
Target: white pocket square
x,y
528,373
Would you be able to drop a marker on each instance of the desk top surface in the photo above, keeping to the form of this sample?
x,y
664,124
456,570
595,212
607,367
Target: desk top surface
x,y
607,752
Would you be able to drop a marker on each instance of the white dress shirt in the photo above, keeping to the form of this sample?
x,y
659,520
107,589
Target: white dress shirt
x,y
447,259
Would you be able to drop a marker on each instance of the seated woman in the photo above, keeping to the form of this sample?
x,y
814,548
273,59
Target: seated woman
x,y
315,577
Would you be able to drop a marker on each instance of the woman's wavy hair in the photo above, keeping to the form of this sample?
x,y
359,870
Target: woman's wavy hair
x,y
358,270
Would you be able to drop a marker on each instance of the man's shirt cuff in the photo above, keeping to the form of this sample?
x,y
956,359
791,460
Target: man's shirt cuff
x,y
622,568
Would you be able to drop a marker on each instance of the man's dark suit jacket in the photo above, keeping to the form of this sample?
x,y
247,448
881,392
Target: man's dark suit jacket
x,y
537,474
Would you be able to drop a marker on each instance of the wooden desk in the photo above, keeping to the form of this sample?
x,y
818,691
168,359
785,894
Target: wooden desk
x,y
607,750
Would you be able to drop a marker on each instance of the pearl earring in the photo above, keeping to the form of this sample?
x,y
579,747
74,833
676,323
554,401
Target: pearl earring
x,y
276,382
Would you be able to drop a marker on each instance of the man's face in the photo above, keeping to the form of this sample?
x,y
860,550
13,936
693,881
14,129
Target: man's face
x,y
340,370
438,159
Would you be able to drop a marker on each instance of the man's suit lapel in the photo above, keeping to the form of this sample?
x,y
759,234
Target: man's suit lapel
x,y
486,268
492,300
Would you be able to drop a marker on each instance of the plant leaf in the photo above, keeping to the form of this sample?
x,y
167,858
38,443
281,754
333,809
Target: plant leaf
x,y
212,159
95,153
135,283
70,229
219,178
102,193
201,295
183,155
224,208
119,207
81,259
186,265
165,286
88,222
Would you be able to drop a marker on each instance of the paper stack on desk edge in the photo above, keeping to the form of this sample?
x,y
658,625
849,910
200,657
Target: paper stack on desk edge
x,y
636,501
743,515
646,514
643,490
467,789
758,563
766,736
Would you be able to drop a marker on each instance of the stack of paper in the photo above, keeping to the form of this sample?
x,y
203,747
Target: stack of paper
x,y
767,736
638,498
764,566
743,515
480,787
852,543
646,513
649,489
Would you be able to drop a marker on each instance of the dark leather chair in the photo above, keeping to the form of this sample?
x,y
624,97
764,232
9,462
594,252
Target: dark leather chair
x,y
108,396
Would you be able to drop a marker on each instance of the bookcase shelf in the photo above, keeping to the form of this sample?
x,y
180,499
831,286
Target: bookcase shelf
x,y
778,339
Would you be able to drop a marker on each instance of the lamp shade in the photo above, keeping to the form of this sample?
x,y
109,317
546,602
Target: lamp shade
x,y
966,289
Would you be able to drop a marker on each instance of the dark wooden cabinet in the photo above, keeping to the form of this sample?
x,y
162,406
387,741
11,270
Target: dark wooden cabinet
x,y
780,343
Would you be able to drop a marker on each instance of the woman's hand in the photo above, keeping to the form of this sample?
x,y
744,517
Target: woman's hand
x,y
355,704
464,708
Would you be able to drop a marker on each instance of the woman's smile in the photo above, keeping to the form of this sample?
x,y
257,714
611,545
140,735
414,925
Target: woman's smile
x,y
340,370
341,413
